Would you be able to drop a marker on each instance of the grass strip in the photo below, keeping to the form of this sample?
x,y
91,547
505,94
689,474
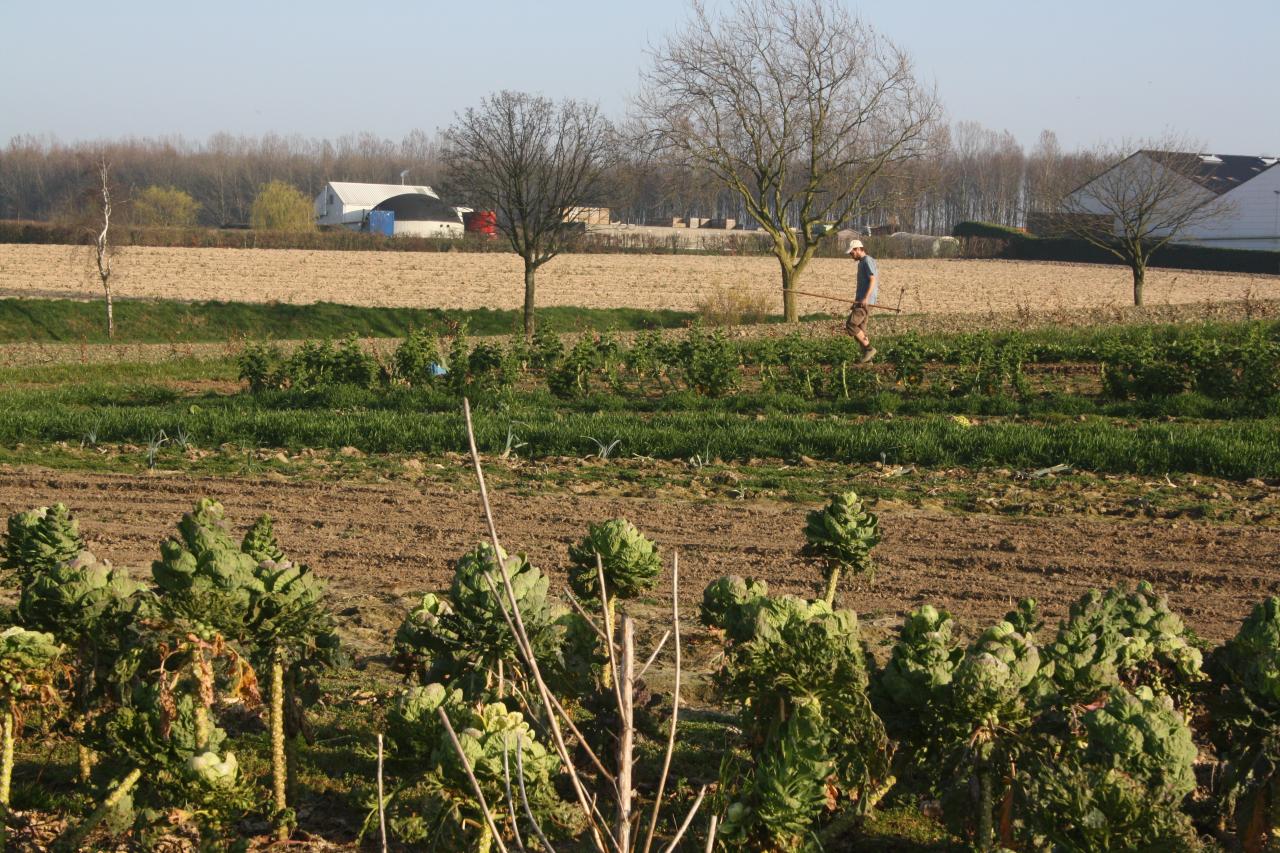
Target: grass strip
x,y
165,321
1234,450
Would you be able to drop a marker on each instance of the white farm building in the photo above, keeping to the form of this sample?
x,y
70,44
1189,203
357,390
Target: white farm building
x,y
414,211
1244,192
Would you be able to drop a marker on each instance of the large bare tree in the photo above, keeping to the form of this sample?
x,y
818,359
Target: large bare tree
x,y
531,161
1142,201
797,107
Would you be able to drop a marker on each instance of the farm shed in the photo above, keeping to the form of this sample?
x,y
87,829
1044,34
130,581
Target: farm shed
x,y
1248,188
588,215
418,210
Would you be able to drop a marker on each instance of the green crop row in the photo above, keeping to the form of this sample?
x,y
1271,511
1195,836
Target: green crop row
x,y
1238,449
1244,365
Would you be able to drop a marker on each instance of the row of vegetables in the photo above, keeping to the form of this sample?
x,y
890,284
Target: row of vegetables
x,y
713,364
1119,730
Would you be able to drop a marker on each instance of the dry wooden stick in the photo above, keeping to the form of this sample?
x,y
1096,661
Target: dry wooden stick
x,y
516,623
475,783
627,731
582,741
711,833
511,803
656,649
608,629
688,819
577,605
524,796
675,703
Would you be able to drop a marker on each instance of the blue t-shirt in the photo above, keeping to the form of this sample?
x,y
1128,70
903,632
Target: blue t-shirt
x,y
866,269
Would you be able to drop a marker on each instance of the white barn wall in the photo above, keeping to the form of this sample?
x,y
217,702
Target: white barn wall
x,y
331,209
420,228
1252,216
1143,166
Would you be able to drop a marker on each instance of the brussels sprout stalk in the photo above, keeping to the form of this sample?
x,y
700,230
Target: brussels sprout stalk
x,y
279,767
6,774
841,535
833,581
74,839
986,803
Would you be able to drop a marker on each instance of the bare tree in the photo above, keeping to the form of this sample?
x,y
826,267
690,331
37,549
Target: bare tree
x,y
531,161
1143,201
103,251
795,106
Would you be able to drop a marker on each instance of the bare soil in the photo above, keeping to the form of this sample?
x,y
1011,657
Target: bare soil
x,y
380,544
681,282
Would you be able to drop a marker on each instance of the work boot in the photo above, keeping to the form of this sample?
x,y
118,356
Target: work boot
x,y
867,354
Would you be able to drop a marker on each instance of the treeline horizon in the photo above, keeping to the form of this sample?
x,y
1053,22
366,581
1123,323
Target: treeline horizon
x,y
975,174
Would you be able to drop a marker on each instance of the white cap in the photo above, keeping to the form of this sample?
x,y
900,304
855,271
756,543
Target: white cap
x,y
853,244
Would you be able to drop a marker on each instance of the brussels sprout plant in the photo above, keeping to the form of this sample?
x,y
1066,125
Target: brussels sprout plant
x,y
842,534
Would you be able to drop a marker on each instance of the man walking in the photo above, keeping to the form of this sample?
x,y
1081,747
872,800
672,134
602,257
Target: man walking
x,y
865,296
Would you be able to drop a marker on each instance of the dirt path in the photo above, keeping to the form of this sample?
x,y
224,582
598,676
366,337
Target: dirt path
x,y
380,544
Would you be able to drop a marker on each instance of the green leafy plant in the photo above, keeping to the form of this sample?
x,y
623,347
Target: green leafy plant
x,y
571,376
465,640
292,635
1123,637
1086,807
261,366
29,666
39,540
912,692
1118,784
787,790
842,535
729,604
64,590
991,707
629,560
160,730
907,355
204,578
417,359
800,677
710,362
1245,714
352,365
438,809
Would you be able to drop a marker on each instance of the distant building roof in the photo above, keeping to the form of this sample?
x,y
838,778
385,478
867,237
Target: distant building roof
x,y
371,195
1218,173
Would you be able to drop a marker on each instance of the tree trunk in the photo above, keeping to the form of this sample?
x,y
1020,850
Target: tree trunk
x,y
789,313
111,317
529,288
279,768
1139,279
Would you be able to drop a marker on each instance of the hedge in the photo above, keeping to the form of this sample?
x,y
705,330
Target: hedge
x,y
985,239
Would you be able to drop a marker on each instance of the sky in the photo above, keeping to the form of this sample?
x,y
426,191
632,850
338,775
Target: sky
x,y
1093,72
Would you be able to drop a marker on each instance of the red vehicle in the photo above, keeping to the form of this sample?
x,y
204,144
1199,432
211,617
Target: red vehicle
x,y
482,222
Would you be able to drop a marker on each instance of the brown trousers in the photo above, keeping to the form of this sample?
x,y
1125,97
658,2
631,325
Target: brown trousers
x,y
857,320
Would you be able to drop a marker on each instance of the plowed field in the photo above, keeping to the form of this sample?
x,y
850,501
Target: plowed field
x,y
468,280
379,544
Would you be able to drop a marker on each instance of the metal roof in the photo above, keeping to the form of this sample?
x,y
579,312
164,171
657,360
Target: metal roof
x,y
371,195
1218,173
